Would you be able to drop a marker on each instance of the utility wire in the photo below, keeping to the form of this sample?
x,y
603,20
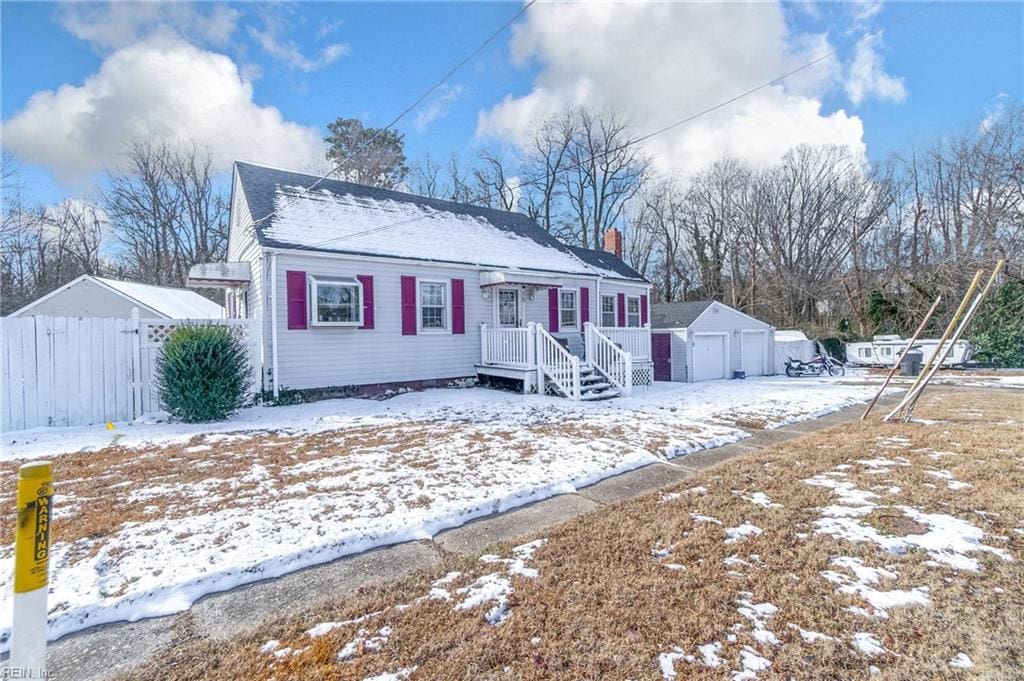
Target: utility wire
x,y
642,138
451,72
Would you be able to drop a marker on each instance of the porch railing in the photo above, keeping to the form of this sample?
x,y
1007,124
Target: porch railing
x,y
634,340
556,363
508,347
609,359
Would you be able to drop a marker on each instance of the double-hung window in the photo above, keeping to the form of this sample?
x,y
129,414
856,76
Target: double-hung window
x,y
336,302
607,310
568,308
433,306
633,311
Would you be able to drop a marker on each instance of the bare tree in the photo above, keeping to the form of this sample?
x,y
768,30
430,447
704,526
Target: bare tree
x,y
165,212
603,173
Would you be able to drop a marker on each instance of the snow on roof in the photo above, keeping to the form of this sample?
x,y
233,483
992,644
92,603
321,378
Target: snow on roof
x,y
176,303
790,336
606,264
349,218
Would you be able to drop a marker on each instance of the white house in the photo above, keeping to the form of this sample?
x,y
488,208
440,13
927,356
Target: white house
x,y
705,340
359,286
89,296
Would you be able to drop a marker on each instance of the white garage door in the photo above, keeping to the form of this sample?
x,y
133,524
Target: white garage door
x,y
752,356
708,357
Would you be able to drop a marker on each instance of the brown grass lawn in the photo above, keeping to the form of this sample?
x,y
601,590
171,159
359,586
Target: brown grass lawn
x,y
602,605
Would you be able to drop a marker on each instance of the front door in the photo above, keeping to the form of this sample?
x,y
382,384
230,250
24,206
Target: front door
x,y
661,354
509,308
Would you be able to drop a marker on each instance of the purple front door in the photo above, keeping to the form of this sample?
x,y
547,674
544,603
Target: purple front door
x,y
661,353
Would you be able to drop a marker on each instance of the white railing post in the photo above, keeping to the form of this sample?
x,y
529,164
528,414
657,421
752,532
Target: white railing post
x,y
588,342
539,338
531,345
628,384
484,358
575,378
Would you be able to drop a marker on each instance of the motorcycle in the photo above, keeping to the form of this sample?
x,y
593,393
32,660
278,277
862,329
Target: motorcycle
x,y
819,365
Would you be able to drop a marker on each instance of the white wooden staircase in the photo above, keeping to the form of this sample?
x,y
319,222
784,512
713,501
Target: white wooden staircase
x,y
601,367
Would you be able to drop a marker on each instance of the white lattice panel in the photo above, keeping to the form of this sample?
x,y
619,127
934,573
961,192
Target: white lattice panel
x,y
643,373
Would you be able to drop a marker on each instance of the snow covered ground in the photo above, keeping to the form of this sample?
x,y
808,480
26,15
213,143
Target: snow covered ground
x,y
276,489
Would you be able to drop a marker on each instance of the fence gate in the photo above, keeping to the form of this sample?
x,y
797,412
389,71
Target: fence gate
x,y
73,371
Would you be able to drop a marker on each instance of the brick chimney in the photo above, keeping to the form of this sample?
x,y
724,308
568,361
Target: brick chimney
x,y
613,242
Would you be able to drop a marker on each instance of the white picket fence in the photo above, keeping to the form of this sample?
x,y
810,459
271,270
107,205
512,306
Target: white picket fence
x,y
76,371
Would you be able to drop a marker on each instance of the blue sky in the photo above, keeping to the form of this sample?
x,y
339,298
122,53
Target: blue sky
x,y
943,69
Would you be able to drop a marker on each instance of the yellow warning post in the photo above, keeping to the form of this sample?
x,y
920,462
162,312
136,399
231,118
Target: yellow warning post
x,y
31,568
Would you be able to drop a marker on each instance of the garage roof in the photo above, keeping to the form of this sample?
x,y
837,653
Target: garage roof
x,y
677,315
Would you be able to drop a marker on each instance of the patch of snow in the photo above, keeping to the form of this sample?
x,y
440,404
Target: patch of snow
x,y
811,636
867,644
734,534
758,614
709,654
862,585
961,661
753,663
698,518
364,642
667,662
760,499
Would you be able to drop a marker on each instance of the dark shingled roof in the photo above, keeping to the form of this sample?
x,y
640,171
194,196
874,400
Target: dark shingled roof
x,y
607,261
260,183
677,315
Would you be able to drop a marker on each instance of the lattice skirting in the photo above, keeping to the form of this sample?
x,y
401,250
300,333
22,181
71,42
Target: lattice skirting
x,y
643,373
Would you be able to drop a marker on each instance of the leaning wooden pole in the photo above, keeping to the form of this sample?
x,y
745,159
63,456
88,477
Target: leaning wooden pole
x,y
899,360
945,336
957,335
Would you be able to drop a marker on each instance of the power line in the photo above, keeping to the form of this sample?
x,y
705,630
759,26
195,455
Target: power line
x,y
451,72
643,138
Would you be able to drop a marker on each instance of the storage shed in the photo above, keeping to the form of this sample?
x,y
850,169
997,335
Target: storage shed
x,y
705,340
792,343
89,296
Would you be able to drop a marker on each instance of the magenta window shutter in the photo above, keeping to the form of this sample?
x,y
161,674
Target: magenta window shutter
x,y
553,310
367,281
458,306
622,309
584,305
408,306
643,310
296,297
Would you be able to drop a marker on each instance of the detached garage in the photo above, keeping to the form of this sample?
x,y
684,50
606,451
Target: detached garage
x,y
706,340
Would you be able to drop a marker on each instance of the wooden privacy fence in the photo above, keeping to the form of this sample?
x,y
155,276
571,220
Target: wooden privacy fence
x,y
76,371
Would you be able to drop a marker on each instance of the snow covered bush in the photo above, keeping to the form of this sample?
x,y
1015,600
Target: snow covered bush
x,y
203,373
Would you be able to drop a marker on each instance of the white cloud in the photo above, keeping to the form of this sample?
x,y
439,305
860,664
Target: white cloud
x,y
660,62
437,107
994,112
158,88
114,25
867,76
288,52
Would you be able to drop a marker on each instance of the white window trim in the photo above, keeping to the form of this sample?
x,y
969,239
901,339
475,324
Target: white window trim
x,y
639,312
447,306
615,310
576,296
314,317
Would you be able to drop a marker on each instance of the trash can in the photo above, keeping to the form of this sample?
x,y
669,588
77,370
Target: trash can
x,y
739,374
910,365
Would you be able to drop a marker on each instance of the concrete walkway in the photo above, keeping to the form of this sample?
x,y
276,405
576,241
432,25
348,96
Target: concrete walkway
x,y
103,652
